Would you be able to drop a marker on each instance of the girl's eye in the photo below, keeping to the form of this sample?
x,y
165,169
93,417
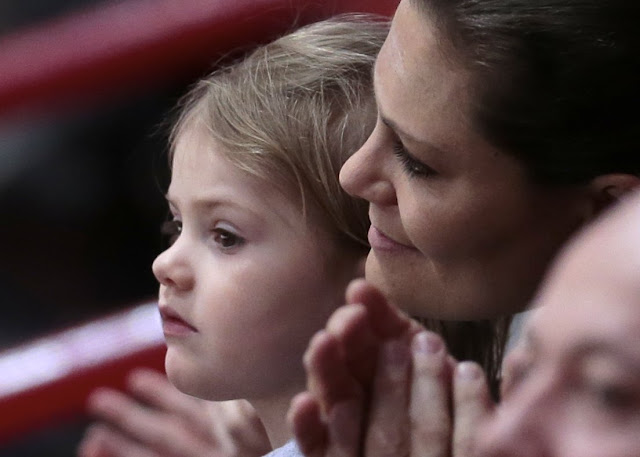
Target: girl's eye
x,y
171,230
411,165
227,240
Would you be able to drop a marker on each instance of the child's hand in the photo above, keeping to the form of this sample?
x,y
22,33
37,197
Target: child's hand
x,y
159,421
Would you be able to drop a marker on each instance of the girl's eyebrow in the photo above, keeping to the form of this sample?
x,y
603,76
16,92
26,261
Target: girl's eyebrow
x,y
210,202
206,203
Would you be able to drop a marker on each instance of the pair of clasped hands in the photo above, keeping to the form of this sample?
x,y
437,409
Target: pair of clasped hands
x,y
378,385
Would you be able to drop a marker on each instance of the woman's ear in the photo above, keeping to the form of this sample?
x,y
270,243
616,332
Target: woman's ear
x,y
609,188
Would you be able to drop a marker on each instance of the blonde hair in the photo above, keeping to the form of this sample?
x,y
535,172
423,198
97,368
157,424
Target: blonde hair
x,y
294,110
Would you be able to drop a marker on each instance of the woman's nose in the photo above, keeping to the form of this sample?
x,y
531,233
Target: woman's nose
x,y
172,268
367,175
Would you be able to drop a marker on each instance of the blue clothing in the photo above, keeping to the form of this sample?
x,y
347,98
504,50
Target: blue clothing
x,y
288,450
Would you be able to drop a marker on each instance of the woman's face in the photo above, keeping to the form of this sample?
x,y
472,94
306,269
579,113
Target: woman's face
x,y
458,231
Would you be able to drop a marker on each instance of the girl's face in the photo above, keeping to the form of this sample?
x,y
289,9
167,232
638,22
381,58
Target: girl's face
x,y
245,283
572,386
458,231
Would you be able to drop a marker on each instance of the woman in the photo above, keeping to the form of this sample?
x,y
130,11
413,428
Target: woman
x,y
503,126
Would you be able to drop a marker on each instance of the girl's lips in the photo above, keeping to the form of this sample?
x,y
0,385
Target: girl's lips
x,y
380,242
173,324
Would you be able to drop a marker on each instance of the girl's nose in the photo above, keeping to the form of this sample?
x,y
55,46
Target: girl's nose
x,y
367,174
173,269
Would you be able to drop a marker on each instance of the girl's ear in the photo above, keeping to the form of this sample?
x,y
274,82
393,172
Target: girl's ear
x,y
609,188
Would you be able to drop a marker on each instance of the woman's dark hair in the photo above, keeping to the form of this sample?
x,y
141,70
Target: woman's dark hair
x,y
556,82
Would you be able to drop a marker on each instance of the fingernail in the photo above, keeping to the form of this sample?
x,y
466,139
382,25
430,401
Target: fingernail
x,y
468,371
427,343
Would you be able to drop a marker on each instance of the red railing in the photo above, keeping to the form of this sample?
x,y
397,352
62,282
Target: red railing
x,y
139,44
49,380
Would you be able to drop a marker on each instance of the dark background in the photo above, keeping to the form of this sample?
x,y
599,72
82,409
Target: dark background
x,y
81,198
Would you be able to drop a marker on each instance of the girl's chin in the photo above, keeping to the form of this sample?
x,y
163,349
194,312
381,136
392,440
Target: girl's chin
x,y
179,373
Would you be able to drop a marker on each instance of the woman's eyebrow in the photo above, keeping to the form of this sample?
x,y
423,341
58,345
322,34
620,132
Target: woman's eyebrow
x,y
396,128
392,125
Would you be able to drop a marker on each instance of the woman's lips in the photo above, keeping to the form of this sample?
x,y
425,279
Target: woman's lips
x,y
173,324
380,242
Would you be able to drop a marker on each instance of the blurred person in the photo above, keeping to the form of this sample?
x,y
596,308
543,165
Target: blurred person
x,y
572,385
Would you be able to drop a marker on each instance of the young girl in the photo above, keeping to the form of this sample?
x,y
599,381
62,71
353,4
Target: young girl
x,y
263,240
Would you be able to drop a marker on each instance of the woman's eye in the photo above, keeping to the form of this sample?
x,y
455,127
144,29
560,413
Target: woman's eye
x,y
171,230
227,240
411,165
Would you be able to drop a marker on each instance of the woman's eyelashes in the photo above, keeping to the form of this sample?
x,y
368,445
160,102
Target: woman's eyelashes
x,y
412,166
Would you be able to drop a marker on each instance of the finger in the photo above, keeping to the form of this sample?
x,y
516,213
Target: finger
x,y
344,428
386,320
102,441
156,430
328,377
472,403
429,408
237,428
337,435
359,344
309,430
154,389
388,427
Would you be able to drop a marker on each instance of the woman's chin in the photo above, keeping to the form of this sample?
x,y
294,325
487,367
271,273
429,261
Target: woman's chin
x,y
409,296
